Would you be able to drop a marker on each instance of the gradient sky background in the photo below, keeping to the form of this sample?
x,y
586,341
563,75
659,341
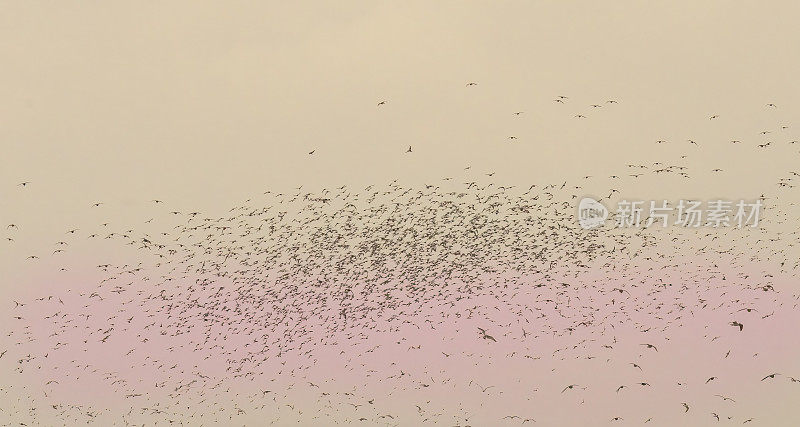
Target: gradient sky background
x,y
206,104
201,104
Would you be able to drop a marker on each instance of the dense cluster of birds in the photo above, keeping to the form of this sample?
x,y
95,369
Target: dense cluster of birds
x,y
462,302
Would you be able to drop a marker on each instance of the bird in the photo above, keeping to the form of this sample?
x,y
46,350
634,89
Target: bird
x,y
770,376
569,387
651,346
486,336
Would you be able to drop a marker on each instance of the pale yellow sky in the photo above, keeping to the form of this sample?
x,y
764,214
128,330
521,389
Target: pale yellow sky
x,y
204,104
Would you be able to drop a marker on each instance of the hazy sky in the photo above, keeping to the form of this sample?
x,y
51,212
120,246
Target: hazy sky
x,y
204,104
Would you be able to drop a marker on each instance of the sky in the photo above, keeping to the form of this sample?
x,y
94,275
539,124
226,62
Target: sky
x,y
204,105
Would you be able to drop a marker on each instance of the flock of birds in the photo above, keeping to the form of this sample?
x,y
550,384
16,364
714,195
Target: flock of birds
x,y
462,302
